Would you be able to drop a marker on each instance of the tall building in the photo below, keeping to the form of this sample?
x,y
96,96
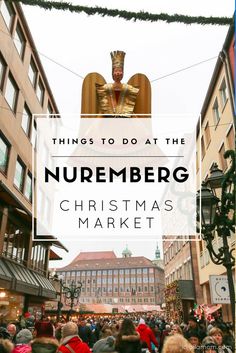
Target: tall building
x,y
24,90
115,280
187,263
215,135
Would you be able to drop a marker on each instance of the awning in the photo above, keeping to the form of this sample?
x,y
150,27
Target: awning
x,y
46,288
53,256
5,276
24,281
28,281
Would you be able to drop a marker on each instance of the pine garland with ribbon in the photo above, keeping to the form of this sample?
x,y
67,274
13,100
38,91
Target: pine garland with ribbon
x,y
127,15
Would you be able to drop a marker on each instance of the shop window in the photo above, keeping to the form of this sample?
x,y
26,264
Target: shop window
x,y
12,92
15,242
26,120
8,13
19,175
33,72
19,40
4,153
40,91
28,187
3,67
216,113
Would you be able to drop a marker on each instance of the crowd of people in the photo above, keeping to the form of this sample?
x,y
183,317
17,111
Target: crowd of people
x,y
129,333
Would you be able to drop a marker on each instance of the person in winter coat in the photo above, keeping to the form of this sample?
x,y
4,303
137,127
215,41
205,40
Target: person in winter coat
x,y
71,342
105,344
146,334
6,346
128,340
23,339
44,345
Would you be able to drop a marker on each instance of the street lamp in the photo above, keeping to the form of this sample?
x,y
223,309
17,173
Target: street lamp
x,y
218,216
71,294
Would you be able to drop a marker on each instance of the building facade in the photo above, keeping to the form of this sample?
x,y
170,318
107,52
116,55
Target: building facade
x,y
108,279
215,135
187,263
24,90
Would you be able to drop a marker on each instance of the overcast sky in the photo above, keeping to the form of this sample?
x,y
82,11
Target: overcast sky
x,y
83,44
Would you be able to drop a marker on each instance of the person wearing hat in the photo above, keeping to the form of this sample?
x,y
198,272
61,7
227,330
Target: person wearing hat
x,y
44,341
23,339
193,327
44,328
146,334
71,342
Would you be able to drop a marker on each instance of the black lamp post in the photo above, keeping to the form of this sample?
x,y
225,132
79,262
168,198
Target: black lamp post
x,y
218,215
71,294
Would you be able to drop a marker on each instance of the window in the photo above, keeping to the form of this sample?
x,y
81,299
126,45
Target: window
x,y
19,41
88,273
104,280
127,280
12,92
93,273
216,113
139,271
26,120
3,66
49,109
132,271
40,91
110,272
121,272
34,135
32,72
15,242
4,153
222,159
28,187
223,93
231,138
145,279
127,272
104,272
145,270
207,134
203,147
19,175
121,280
139,280
7,13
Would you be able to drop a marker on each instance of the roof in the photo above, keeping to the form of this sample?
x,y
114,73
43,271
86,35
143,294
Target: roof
x,y
112,263
95,255
54,256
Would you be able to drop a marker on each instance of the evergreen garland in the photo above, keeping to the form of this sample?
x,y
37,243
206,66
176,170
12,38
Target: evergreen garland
x,y
127,15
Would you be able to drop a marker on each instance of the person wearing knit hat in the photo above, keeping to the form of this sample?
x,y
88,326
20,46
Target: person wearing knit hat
x,y
71,342
23,339
44,328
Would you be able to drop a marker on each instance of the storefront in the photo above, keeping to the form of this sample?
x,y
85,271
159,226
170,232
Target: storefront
x,y
179,299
